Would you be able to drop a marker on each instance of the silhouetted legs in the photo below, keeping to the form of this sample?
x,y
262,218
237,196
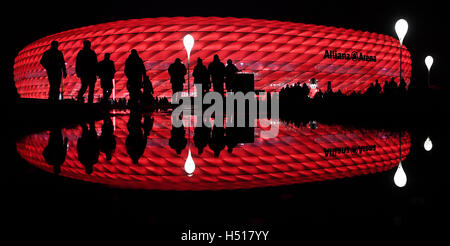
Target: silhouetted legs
x,y
55,83
85,83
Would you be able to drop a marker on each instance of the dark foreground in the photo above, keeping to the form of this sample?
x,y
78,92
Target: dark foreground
x,y
367,208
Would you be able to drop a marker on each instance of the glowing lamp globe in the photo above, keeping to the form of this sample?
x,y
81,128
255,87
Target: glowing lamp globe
x,y
400,176
401,28
428,145
188,42
429,62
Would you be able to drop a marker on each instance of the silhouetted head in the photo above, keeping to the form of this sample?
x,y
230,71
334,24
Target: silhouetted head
x,y
108,156
107,56
216,58
134,52
178,60
54,44
87,44
229,62
135,159
199,60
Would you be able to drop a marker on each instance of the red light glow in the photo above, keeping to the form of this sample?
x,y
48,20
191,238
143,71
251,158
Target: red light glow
x,y
278,53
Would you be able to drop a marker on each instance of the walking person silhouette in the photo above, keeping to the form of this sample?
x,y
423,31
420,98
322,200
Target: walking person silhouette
x,y
106,71
86,69
217,70
53,62
135,72
201,76
230,72
177,70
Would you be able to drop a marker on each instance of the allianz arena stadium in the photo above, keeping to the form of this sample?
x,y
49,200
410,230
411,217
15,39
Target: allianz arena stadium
x,y
277,53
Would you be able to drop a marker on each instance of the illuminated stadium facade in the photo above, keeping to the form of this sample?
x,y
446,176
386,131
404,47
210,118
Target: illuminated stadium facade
x,y
278,53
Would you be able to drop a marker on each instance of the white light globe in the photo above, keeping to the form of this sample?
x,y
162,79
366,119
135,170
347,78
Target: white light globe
x,y
429,62
428,145
189,165
401,28
188,42
400,176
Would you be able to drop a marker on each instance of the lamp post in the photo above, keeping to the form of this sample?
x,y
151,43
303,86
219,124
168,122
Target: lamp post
x,y
401,28
429,63
189,165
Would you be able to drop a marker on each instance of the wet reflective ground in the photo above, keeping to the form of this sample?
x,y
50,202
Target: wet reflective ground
x,y
297,185
143,150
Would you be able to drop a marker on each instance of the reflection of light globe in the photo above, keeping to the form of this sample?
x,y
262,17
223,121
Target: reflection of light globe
x,y
428,145
189,165
400,176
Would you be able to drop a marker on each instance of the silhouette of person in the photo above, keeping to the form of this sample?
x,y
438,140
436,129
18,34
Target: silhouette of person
x,y
107,140
377,89
148,124
56,150
402,87
53,62
86,69
135,72
106,71
202,136
230,72
217,70
147,97
177,70
177,139
201,76
88,147
231,133
217,141
386,90
136,141
329,89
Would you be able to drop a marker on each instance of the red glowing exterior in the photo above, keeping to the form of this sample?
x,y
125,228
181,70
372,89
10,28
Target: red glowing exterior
x,y
295,156
278,53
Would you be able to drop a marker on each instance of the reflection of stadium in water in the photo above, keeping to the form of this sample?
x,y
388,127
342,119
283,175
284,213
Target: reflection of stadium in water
x,y
296,155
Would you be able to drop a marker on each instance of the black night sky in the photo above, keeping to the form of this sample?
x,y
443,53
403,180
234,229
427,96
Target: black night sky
x,y
428,34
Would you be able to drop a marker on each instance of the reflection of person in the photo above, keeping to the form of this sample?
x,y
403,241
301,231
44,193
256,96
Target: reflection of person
x,y
88,147
202,136
177,139
53,62
106,71
136,141
147,97
148,124
177,70
135,72
55,152
107,140
217,142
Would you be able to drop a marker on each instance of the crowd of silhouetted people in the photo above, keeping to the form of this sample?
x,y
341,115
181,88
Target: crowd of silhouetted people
x,y
139,86
90,146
